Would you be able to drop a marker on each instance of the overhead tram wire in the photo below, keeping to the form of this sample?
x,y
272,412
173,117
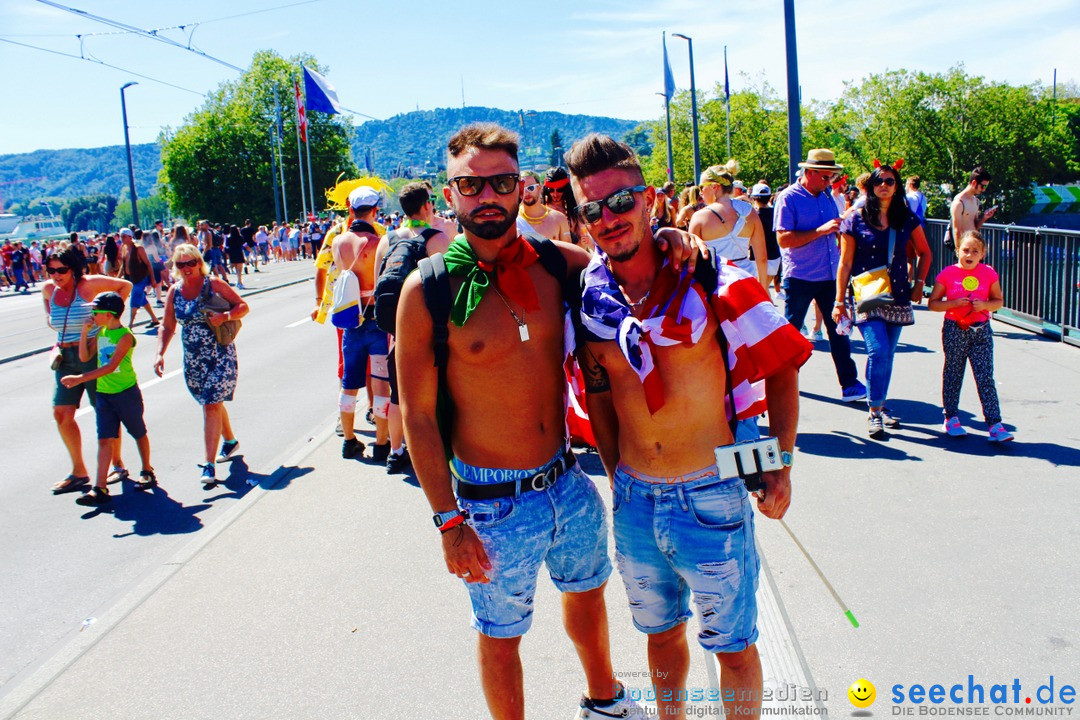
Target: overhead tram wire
x,y
102,62
153,35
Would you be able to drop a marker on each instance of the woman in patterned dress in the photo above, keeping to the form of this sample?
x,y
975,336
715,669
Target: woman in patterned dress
x,y
210,368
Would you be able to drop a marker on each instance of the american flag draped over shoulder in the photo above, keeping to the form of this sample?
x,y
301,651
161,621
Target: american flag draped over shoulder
x,y
760,341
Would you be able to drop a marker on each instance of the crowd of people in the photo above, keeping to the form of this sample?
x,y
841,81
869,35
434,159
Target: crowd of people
x,y
472,332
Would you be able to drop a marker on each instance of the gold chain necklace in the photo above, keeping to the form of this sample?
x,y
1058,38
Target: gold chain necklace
x,y
536,221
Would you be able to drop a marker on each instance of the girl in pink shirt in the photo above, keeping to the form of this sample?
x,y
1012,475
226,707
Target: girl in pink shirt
x,y
968,292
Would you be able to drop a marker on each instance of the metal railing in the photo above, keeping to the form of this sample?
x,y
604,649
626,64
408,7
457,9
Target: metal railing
x,y
1039,270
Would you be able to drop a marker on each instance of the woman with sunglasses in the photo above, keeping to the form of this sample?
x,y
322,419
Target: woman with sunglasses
x,y
210,368
730,226
69,300
873,236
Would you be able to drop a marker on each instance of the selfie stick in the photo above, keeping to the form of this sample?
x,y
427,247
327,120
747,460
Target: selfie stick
x,y
847,613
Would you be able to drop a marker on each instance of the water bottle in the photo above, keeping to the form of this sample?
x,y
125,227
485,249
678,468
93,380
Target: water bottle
x,y
844,326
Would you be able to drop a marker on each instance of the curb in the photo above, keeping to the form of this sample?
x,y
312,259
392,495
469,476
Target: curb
x,y
38,351
22,689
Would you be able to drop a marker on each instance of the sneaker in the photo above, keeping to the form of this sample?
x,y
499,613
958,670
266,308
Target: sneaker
x,y
96,496
818,337
228,449
998,433
370,416
875,426
397,462
208,477
351,448
953,427
890,420
380,453
854,393
338,430
241,286
622,707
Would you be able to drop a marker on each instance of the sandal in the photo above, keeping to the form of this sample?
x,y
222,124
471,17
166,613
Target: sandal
x,y
72,483
146,479
116,475
96,496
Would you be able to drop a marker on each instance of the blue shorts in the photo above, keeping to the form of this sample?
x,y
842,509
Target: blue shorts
x,y
125,407
138,293
564,527
674,536
357,345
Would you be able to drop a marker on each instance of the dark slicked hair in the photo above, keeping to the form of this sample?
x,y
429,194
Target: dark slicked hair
x,y
483,136
595,153
413,197
979,175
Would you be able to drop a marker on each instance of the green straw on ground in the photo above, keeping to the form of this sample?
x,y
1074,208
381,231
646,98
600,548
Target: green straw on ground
x,y
847,613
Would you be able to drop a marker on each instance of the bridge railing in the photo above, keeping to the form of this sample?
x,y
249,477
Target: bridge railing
x,y
1039,270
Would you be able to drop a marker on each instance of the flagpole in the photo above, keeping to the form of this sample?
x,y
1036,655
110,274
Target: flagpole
x,y
273,174
278,131
727,102
668,90
307,151
300,160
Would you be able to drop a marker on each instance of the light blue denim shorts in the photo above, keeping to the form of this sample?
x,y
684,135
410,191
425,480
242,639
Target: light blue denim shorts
x,y
691,534
563,527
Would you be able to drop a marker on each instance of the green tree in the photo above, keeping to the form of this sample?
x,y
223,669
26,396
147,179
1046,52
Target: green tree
x,y
557,148
89,212
152,208
217,165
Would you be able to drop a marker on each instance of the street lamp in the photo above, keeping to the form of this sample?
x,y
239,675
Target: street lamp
x,y
127,143
693,105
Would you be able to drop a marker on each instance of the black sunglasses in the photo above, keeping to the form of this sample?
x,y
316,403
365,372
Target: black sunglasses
x,y
62,270
887,182
469,185
618,202
186,263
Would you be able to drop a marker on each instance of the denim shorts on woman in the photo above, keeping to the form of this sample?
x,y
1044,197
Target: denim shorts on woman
x,y
564,527
694,533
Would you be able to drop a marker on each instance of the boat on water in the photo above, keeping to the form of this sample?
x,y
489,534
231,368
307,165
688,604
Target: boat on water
x,y
8,222
30,229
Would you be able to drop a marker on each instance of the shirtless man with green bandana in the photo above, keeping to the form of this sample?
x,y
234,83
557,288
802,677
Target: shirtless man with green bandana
x,y
512,498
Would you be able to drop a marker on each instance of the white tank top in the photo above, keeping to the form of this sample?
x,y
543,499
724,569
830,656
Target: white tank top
x,y
732,246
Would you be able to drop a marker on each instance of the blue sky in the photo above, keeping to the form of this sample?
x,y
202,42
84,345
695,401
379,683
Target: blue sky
x,y
592,57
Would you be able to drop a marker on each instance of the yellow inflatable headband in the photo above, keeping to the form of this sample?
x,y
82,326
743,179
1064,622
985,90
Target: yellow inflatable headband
x,y
337,197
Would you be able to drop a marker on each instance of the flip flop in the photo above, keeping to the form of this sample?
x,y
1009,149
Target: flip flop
x,y
72,483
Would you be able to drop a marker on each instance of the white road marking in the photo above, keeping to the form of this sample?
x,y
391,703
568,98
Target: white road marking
x,y
142,386
301,321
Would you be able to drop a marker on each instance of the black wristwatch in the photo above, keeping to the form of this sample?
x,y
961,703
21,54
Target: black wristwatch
x,y
442,518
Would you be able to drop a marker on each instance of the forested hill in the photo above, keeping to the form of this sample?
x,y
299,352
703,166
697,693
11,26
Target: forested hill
x,y
407,144
416,141
78,171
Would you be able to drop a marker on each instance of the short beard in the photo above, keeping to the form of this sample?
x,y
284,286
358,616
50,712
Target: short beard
x,y
491,229
528,201
623,257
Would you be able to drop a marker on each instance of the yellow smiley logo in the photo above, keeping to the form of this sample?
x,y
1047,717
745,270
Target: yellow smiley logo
x,y
862,693
970,283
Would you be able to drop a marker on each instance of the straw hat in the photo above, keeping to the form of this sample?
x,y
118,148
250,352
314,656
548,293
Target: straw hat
x,y
821,159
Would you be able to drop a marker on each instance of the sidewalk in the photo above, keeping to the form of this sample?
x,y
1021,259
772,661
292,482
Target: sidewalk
x,y
325,595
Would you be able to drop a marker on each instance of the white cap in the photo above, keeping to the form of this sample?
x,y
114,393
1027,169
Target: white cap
x,y
364,196
127,232
760,190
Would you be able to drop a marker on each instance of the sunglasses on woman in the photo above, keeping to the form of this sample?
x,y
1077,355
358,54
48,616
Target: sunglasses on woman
x,y
618,202
62,270
470,185
887,182
186,263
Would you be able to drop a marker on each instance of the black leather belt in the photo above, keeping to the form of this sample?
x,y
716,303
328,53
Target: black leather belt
x,y
540,481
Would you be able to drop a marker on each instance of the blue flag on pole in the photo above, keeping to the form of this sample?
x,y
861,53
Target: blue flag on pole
x,y
669,79
321,95
727,88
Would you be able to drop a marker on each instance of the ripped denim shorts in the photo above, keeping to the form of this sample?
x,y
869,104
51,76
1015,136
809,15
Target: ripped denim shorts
x,y
695,533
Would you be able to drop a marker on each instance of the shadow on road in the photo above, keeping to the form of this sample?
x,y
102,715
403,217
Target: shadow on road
x,y
151,512
241,479
846,445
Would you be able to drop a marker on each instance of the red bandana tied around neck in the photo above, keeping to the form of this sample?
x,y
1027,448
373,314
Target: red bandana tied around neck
x,y
511,279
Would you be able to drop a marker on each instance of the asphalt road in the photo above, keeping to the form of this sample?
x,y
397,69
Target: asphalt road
x,y
61,560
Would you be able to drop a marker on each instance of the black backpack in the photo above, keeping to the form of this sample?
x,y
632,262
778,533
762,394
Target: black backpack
x,y
436,284
401,259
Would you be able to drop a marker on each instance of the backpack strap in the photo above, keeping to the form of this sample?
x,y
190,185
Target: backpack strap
x,y
435,281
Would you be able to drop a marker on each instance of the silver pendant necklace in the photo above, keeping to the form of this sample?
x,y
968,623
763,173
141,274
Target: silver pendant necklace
x,y
523,329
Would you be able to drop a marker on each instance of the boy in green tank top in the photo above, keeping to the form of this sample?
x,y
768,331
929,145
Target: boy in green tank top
x,y
119,399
